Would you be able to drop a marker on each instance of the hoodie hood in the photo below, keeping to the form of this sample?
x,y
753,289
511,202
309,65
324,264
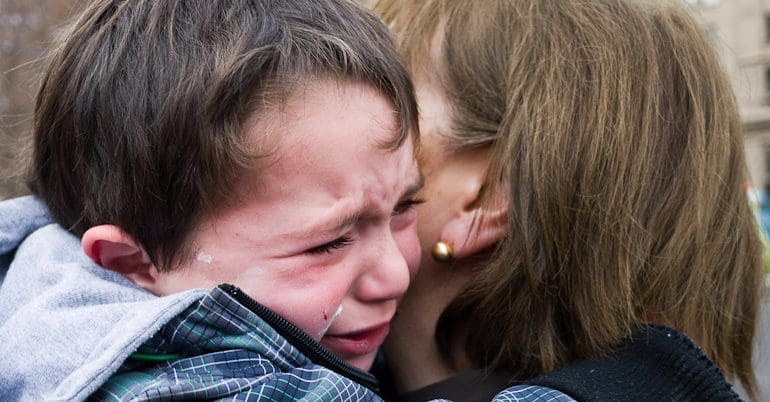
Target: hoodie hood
x,y
66,324
18,218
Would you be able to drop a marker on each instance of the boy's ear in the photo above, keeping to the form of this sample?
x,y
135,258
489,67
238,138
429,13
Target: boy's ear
x,y
114,249
475,227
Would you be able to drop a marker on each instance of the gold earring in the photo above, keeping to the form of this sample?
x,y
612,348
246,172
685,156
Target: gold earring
x,y
441,252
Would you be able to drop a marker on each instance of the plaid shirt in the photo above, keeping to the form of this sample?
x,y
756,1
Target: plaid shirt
x,y
531,393
227,352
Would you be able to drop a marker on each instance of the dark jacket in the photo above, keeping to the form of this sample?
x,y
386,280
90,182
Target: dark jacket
x,y
656,364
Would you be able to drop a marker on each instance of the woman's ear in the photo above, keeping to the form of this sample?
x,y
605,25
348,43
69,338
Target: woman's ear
x,y
115,250
474,231
476,227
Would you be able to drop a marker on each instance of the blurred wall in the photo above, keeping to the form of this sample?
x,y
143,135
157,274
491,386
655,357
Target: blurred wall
x,y
26,29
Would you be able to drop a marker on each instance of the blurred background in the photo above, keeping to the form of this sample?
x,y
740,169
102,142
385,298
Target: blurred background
x,y
739,29
26,29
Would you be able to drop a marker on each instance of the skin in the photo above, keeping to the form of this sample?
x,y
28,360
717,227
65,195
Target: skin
x,y
452,184
325,235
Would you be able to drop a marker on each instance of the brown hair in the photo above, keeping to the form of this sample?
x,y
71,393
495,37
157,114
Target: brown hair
x,y
138,120
616,138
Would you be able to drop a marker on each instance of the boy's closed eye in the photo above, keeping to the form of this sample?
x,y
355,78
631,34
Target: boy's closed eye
x,y
336,244
407,206
341,242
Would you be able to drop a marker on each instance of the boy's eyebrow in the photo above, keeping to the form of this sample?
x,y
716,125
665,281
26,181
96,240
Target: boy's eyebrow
x,y
333,226
345,221
350,219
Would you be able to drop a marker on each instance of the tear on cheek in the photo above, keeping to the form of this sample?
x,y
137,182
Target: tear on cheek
x,y
328,321
204,258
337,313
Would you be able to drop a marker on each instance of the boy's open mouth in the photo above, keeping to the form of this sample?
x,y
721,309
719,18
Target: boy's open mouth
x,y
357,343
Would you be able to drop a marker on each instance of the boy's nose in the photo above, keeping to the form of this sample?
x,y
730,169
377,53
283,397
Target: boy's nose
x,y
386,272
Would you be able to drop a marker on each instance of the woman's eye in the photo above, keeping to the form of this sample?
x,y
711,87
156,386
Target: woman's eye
x,y
406,206
335,244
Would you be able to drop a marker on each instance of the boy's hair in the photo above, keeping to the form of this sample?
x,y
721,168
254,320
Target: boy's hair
x,y
138,122
616,137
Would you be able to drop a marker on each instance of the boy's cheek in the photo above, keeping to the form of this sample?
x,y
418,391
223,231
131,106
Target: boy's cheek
x,y
326,319
313,310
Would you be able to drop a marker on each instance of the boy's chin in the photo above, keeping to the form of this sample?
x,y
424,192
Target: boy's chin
x,y
363,362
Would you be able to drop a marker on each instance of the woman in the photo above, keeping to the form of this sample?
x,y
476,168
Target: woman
x,y
584,172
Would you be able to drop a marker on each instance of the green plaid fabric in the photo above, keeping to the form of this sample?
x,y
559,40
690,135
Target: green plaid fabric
x,y
227,353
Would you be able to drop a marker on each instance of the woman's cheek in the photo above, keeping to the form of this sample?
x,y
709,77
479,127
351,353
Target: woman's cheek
x,y
409,244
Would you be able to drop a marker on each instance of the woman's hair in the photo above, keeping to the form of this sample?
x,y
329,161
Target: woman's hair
x,y
139,119
616,139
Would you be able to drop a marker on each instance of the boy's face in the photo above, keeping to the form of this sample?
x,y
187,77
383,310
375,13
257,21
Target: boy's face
x,y
326,235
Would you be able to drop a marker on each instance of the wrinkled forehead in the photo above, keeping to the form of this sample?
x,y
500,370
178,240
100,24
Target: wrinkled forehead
x,y
343,116
278,116
331,141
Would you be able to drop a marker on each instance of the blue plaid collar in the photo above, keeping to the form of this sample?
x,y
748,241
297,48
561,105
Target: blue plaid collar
x,y
220,348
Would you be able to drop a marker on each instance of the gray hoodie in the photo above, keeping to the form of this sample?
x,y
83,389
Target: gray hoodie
x,y
66,324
